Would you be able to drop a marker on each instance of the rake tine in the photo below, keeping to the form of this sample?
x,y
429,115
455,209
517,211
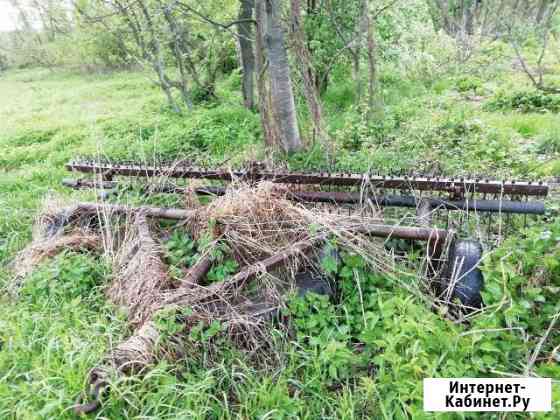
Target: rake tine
x,y
525,224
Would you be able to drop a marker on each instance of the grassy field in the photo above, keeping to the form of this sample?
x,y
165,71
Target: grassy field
x,y
60,326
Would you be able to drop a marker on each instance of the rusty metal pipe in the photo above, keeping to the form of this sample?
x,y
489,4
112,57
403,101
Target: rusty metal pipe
x,y
436,239
377,230
483,206
154,212
489,206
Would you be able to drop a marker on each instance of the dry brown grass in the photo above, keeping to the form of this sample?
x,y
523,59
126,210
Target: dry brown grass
x,y
41,250
56,230
139,273
256,222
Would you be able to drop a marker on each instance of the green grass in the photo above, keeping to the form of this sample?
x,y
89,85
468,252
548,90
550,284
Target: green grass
x,y
61,325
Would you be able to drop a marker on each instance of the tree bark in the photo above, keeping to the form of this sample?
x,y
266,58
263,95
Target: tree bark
x,y
544,7
446,19
245,31
307,72
270,130
361,30
372,62
281,83
179,54
157,57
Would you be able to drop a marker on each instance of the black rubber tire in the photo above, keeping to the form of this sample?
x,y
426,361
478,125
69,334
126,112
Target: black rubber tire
x,y
308,282
463,269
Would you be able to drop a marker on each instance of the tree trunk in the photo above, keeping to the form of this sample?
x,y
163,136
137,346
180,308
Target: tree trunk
x,y
361,30
446,19
179,54
372,63
270,130
307,72
157,58
468,18
245,29
543,8
281,83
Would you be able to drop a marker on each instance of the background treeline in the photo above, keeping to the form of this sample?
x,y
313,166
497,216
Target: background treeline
x,y
287,52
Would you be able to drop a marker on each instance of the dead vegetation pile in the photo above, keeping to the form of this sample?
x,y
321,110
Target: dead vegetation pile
x,y
140,275
256,222
271,237
57,229
41,250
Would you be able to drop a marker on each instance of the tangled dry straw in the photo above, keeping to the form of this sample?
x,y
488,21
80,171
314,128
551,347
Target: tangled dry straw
x,y
140,273
257,222
57,229
41,250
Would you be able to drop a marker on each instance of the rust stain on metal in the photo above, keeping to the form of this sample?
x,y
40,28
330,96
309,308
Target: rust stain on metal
x,y
456,186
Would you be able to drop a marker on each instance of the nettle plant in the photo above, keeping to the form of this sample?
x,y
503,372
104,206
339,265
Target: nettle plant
x,y
524,101
521,294
181,249
68,277
374,324
183,252
378,329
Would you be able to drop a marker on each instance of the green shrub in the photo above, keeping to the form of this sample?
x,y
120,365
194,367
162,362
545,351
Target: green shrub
x,y
524,101
183,252
340,96
69,276
549,142
32,137
312,159
36,146
181,249
208,134
457,127
470,84
359,130
522,279
203,94
378,327
469,144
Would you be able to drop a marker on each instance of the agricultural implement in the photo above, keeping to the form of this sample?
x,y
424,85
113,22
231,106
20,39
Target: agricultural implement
x,y
476,201
446,212
457,187
430,196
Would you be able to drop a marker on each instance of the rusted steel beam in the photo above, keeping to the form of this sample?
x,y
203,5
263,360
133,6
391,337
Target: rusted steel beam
x,y
435,237
491,206
377,230
79,184
401,232
451,185
248,273
154,212
199,270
